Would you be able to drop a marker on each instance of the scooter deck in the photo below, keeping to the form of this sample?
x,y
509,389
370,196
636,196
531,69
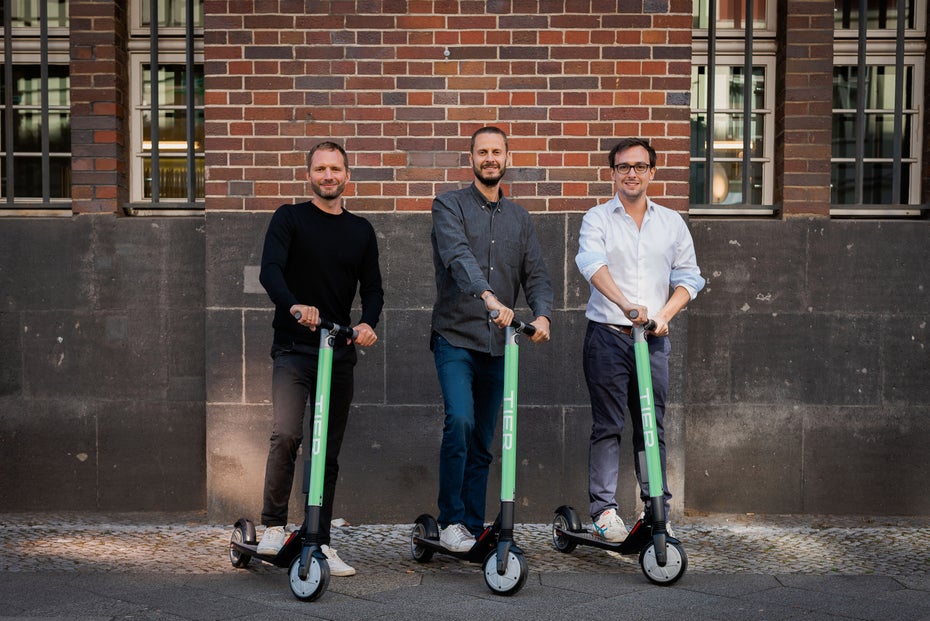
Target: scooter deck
x,y
476,554
639,537
283,558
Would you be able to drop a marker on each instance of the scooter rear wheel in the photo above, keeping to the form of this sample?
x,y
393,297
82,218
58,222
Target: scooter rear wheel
x,y
424,528
559,542
512,580
675,565
240,534
317,579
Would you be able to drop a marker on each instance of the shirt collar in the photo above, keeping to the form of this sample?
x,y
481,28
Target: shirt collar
x,y
616,205
481,198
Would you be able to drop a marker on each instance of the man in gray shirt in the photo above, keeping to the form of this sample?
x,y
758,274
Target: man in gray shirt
x,y
484,250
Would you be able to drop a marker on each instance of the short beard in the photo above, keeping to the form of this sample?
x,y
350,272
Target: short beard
x,y
330,194
489,183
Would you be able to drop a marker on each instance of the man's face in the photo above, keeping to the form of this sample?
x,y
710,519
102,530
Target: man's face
x,y
631,184
489,158
328,174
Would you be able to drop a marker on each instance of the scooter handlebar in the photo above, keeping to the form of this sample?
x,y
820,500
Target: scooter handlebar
x,y
334,328
520,326
649,325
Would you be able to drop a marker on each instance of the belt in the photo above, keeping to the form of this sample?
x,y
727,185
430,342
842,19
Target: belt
x,y
621,329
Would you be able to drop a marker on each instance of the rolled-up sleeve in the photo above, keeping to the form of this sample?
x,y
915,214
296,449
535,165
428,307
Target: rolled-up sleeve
x,y
685,271
592,253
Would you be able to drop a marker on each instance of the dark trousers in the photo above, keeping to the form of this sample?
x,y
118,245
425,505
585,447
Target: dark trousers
x,y
472,390
610,372
293,383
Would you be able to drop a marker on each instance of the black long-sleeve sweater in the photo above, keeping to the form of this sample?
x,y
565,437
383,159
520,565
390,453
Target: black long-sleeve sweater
x,y
319,259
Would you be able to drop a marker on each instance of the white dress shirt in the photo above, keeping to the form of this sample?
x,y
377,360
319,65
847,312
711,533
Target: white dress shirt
x,y
646,263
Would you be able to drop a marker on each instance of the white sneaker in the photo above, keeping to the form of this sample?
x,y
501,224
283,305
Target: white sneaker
x,y
272,541
609,527
337,566
456,538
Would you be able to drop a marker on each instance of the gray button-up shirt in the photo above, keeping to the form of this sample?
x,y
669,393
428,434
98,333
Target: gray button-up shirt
x,y
479,246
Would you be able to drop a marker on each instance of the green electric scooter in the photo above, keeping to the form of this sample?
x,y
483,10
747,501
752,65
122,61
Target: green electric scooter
x,y
503,564
308,571
661,556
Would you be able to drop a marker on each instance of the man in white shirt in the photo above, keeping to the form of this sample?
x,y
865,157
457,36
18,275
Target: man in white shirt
x,y
636,255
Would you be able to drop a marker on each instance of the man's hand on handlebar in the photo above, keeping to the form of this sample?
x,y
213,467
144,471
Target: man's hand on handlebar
x,y
306,315
542,330
366,336
503,316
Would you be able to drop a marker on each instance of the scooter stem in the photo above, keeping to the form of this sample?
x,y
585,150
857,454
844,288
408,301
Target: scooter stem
x,y
508,449
650,439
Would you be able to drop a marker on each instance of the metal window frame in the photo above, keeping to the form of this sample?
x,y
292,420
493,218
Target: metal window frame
x,y
903,51
158,46
732,54
31,46
919,30
740,44
769,31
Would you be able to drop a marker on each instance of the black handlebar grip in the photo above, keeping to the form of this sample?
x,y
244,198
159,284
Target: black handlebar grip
x,y
516,324
326,324
649,325
345,331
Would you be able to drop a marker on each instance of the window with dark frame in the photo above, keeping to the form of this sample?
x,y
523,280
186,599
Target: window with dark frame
x,y
731,110
35,109
167,171
878,91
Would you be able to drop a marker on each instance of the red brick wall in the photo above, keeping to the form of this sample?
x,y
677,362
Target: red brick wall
x,y
804,104
565,78
99,106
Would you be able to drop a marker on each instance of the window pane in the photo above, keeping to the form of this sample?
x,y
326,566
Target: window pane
x,y
25,13
879,138
844,135
696,182
27,132
876,183
726,183
728,87
172,85
730,14
172,13
27,85
728,111
879,135
172,177
27,172
880,14
728,135
172,131
698,135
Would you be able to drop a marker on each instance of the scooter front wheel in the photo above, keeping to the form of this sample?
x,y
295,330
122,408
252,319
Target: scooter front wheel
x,y
315,584
675,565
512,580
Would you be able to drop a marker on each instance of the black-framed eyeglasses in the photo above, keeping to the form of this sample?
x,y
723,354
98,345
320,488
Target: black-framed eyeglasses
x,y
639,167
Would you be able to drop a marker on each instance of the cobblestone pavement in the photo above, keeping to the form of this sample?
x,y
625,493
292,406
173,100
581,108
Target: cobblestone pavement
x,y
717,544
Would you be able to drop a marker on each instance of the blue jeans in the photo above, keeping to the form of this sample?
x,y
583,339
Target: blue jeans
x,y
610,372
472,390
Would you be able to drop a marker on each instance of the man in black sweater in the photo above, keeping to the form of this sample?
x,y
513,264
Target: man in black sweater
x,y
316,257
